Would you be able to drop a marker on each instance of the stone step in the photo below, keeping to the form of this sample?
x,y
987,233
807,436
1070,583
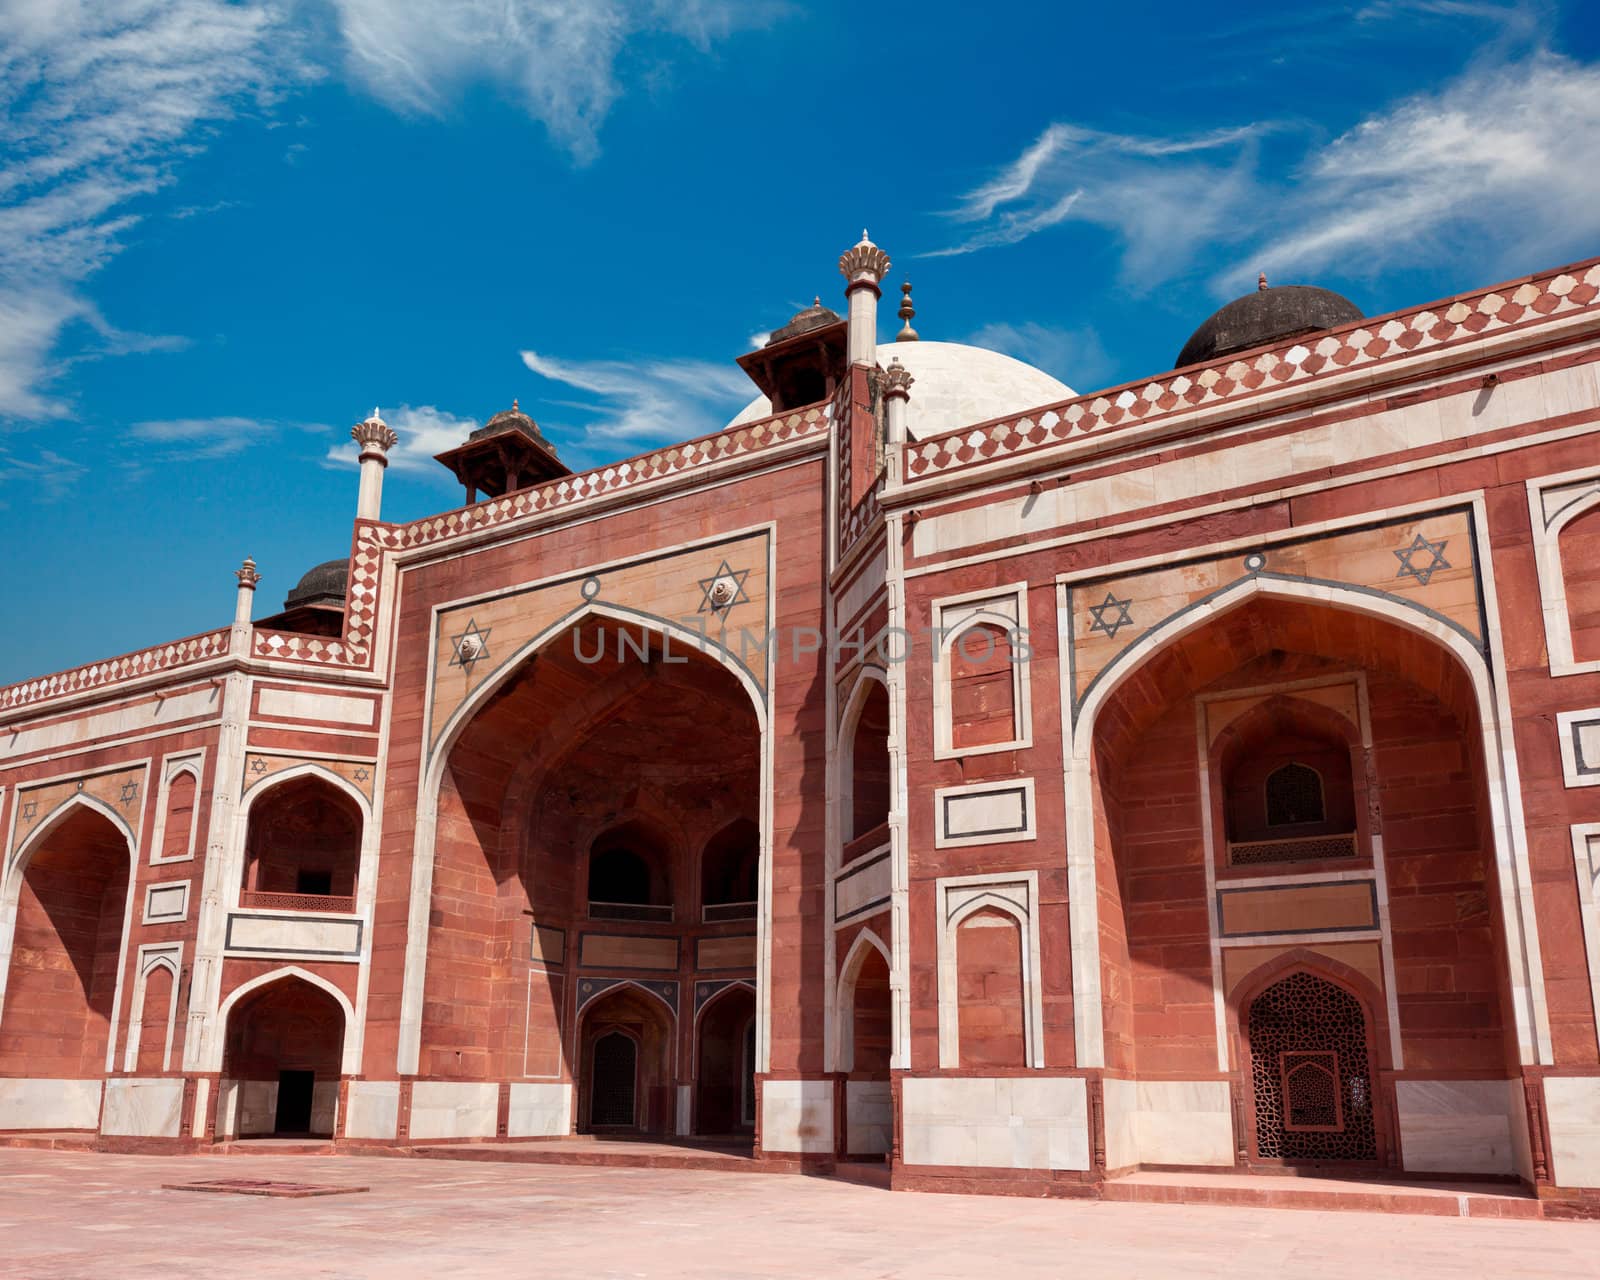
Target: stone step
x,y
1435,1199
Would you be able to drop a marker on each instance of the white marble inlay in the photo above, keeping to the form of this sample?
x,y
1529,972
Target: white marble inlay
x,y
868,885
374,1109
797,1115
1572,1111
315,936
143,1108
449,1109
984,813
49,1104
1011,1122
869,1117
540,1111
294,704
1455,1126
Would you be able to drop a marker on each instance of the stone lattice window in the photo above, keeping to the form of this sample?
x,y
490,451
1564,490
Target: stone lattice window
x,y
1294,796
1310,1076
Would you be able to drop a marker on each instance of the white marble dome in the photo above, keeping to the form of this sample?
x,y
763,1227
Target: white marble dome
x,y
956,386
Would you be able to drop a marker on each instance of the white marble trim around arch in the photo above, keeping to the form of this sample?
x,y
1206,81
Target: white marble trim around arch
x,y
844,1039
427,816
1510,851
1547,556
350,1055
11,892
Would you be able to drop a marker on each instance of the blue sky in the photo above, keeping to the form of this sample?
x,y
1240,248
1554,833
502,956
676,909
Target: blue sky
x,y
228,229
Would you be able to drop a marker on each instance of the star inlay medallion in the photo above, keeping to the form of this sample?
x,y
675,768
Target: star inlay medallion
x,y
723,589
470,646
1110,616
1422,559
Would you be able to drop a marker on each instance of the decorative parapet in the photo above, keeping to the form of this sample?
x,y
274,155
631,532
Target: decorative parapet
x,y
354,648
131,666
1236,381
587,486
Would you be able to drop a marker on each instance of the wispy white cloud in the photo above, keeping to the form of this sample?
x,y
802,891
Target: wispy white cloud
x,y
424,430
649,401
1074,355
99,101
1161,195
557,58
1505,159
47,474
197,439
102,100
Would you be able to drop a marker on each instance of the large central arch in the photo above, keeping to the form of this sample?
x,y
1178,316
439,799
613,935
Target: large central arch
x,y
544,753
1509,839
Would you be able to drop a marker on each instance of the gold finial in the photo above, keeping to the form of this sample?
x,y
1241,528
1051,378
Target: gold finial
x,y
1261,282
907,333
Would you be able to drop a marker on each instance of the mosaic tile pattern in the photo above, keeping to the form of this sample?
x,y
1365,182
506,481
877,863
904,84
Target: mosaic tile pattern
x,y
1354,347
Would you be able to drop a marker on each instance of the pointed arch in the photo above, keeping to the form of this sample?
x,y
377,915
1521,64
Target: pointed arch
x,y
869,680
615,987
11,892
436,757
865,943
350,1052
1494,719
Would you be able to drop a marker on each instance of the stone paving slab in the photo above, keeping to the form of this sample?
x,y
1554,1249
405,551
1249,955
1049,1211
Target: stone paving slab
x,y
74,1216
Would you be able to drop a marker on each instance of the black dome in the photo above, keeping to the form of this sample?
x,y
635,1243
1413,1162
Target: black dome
x,y
323,585
1266,316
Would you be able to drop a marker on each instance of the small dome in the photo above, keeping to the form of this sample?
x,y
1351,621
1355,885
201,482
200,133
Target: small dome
x,y
509,420
323,585
1266,316
955,386
816,316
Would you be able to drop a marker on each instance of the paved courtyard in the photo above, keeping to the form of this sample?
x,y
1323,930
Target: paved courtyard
x,y
66,1215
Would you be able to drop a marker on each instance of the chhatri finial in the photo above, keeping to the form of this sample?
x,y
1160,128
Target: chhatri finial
x,y
907,333
865,238
514,408
1261,282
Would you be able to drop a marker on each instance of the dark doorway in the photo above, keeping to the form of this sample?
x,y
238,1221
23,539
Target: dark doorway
x,y
611,1091
294,1101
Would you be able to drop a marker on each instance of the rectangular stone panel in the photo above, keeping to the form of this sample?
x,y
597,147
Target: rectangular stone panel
x,y
726,953
320,937
540,1111
166,903
49,1104
1333,907
1010,1122
373,1109
297,704
452,1109
862,886
984,813
549,945
143,1108
624,951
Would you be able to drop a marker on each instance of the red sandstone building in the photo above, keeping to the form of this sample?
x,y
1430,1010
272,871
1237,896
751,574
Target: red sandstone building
x,y
934,764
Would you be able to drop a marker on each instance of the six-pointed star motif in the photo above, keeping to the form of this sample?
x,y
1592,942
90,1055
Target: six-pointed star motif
x,y
723,589
130,793
1421,569
471,645
1110,615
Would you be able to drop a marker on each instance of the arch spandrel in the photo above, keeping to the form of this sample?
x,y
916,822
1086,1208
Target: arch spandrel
x,y
718,590
120,791
1426,562
262,767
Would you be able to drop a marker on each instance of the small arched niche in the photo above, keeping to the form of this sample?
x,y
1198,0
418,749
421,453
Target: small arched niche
x,y
1288,787
730,871
303,847
867,774
630,874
